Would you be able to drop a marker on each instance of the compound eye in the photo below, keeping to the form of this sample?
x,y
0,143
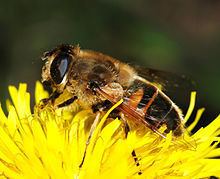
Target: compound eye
x,y
59,68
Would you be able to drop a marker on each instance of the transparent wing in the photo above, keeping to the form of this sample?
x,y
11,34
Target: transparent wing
x,y
168,80
177,87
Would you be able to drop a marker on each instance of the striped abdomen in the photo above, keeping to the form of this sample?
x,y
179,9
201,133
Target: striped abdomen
x,y
153,107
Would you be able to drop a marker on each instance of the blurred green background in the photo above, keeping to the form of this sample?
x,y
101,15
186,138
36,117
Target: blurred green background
x,y
180,36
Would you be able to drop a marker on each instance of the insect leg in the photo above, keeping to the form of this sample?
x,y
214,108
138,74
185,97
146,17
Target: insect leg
x,y
102,106
51,99
96,109
67,102
94,124
127,129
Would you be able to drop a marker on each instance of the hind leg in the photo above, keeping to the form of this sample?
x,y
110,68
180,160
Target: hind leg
x,y
127,129
114,114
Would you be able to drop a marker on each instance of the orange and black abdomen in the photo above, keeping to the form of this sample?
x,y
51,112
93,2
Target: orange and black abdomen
x,y
153,106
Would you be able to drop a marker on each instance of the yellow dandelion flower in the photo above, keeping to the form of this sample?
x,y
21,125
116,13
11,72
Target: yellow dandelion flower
x,y
51,143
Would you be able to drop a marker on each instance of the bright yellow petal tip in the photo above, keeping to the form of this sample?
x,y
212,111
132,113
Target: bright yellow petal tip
x,y
51,143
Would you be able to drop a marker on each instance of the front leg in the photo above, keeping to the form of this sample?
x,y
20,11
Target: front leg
x,y
67,102
51,99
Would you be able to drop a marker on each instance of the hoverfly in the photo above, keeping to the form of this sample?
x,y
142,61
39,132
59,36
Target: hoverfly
x,y
97,81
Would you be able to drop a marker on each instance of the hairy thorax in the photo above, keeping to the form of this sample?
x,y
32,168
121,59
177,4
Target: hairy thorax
x,y
85,97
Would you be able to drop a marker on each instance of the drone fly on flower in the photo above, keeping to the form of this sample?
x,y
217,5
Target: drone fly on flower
x,y
98,81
